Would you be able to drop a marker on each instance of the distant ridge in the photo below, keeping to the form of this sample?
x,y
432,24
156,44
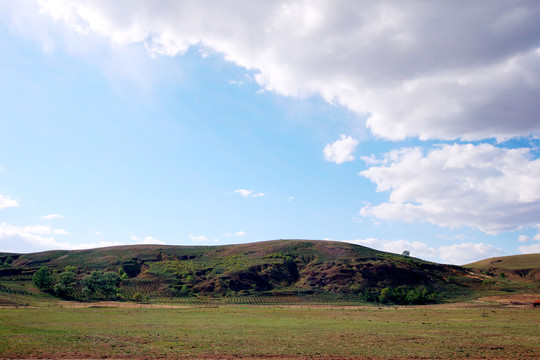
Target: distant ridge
x,y
525,266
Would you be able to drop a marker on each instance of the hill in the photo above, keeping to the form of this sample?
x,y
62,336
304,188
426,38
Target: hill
x,y
269,271
525,267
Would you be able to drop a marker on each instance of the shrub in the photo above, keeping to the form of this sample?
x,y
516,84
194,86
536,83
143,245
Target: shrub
x,y
138,297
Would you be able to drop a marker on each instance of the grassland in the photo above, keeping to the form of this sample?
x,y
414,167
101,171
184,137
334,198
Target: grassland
x,y
488,331
272,300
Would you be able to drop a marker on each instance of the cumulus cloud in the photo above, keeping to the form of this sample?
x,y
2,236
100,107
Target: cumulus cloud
x,y
93,245
467,252
484,187
248,193
148,240
425,69
152,240
530,249
341,150
417,249
198,238
52,216
238,233
6,201
458,254
39,238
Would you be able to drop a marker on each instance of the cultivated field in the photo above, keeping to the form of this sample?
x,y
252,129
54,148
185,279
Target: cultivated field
x,y
466,331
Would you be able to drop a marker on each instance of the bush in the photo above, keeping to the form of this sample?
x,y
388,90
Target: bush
x,y
404,295
138,297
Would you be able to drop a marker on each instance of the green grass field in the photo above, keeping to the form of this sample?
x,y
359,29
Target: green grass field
x,y
488,332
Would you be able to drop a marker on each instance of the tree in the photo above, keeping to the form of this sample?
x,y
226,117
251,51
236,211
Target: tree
x,y
122,273
138,297
65,284
100,284
8,261
43,279
385,295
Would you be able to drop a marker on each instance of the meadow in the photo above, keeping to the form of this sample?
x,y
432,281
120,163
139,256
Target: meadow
x,y
486,331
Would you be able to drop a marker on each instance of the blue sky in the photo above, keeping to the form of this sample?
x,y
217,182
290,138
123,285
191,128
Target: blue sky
x,y
211,123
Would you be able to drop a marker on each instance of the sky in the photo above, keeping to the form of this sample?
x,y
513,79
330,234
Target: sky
x,y
397,125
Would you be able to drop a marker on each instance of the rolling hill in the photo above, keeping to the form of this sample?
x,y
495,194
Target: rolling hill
x,y
524,267
269,271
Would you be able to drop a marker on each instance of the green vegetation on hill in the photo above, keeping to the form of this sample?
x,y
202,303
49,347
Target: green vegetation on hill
x,y
518,267
270,271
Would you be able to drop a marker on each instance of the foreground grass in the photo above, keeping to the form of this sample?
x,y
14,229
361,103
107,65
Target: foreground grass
x,y
270,331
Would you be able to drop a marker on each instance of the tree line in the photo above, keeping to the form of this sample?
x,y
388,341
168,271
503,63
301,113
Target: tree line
x,y
97,285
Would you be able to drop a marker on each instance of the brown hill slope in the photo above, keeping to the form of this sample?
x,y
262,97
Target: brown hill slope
x,y
526,267
269,268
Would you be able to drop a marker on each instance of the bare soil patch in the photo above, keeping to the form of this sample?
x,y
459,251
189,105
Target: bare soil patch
x,y
513,299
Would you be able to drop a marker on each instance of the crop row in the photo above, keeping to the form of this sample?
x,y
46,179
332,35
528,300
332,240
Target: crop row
x,y
270,300
20,277
8,290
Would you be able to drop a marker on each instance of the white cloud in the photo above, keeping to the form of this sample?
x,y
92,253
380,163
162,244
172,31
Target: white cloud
x,y
52,216
341,150
6,201
39,238
481,186
148,240
198,238
417,249
530,249
452,237
93,245
151,240
238,233
474,75
523,238
248,193
465,253
60,232
458,254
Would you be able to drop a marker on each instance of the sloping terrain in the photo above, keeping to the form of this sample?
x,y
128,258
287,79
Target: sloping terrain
x,y
524,267
284,269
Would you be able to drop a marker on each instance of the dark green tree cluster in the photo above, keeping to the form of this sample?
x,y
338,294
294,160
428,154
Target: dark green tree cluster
x,y
7,262
405,295
101,284
97,285
63,284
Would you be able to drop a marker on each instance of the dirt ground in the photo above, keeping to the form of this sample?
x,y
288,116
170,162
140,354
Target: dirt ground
x,y
513,299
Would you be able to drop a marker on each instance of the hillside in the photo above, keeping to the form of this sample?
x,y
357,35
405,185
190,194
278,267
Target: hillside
x,y
289,270
525,267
